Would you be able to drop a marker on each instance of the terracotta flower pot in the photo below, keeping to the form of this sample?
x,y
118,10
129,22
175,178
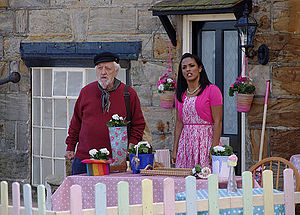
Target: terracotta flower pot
x,y
243,102
167,99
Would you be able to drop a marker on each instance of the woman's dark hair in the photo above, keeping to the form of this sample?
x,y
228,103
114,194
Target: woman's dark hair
x,y
181,82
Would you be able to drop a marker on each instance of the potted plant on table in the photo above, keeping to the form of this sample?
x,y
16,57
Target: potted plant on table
x,y
140,156
166,88
245,92
117,127
220,155
99,162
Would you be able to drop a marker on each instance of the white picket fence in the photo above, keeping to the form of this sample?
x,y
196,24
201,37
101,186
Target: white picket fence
x,y
169,207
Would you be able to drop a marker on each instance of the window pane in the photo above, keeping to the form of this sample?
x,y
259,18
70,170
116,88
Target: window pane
x,y
231,73
74,83
36,82
71,108
36,171
122,75
59,84
59,142
47,168
59,167
47,112
60,110
36,140
90,76
36,112
47,142
208,54
47,82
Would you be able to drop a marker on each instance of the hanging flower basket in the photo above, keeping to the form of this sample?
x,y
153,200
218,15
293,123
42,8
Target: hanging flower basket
x,y
243,102
167,99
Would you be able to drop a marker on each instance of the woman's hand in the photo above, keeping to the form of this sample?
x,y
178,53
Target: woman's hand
x,y
173,157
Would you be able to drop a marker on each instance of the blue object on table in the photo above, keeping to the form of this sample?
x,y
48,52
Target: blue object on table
x,y
145,159
257,210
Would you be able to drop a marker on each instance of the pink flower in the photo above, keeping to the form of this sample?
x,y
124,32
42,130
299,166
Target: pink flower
x,y
233,158
119,153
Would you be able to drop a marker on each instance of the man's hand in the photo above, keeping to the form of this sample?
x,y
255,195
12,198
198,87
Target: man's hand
x,y
69,155
130,144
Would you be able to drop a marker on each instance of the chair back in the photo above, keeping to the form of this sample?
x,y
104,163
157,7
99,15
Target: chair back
x,y
277,165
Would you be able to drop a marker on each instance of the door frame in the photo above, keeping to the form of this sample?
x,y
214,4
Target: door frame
x,y
187,46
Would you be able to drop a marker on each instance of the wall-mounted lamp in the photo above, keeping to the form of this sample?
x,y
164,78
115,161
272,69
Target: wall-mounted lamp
x,y
247,26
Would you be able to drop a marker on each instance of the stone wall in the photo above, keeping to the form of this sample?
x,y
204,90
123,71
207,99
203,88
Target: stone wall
x,y
76,21
279,29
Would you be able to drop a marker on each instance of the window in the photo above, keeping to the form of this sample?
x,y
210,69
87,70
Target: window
x,y
54,93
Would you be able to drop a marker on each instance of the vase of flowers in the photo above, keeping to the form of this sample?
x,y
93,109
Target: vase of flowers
x,y
166,88
220,155
201,172
99,162
117,127
245,92
140,156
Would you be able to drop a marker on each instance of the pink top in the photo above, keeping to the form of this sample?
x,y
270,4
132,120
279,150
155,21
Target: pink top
x,y
211,96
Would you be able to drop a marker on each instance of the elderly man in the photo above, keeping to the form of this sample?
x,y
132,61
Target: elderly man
x,y
96,104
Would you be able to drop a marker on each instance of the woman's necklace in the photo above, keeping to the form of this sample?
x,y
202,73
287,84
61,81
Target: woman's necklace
x,y
191,93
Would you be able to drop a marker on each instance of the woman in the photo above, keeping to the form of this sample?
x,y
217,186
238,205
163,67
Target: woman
x,y
199,115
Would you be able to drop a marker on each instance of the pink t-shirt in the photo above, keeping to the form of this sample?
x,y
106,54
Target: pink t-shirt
x,y
211,96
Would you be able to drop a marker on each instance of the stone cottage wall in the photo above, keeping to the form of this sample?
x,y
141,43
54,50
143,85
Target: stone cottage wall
x,y
76,21
279,29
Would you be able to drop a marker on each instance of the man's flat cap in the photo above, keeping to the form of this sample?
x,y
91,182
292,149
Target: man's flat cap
x,y
106,57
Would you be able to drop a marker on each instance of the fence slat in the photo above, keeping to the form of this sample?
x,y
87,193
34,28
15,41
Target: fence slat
x,y
213,194
268,192
247,193
27,199
169,196
190,187
41,199
4,198
75,200
16,198
100,199
123,198
289,196
147,193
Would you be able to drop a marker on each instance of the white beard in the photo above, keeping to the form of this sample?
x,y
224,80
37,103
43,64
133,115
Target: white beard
x,y
105,84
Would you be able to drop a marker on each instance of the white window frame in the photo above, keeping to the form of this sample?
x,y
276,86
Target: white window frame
x,y
121,76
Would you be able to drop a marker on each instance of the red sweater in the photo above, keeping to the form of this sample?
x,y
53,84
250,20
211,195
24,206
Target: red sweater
x,y
88,125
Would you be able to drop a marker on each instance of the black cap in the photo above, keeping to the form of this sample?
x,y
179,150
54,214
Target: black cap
x,y
106,57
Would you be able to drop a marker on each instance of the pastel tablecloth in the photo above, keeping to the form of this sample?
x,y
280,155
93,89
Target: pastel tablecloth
x,y
203,194
60,199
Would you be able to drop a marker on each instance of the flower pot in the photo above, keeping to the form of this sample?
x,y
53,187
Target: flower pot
x,y
118,141
220,166
167,99
145,159
97,167
243,102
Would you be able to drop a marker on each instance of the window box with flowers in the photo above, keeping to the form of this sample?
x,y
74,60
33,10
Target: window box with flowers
x,y
244,89
117,127
140,156
99,162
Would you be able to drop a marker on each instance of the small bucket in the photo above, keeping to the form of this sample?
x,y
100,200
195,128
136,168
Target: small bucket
x,y
243,102
167,99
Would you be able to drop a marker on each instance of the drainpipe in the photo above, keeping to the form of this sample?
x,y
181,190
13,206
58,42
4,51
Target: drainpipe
x,y
13,77
243,115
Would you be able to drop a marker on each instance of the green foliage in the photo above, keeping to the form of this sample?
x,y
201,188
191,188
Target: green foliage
x,y
143,149
117,121
221,150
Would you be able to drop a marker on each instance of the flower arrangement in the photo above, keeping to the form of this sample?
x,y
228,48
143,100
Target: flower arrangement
x,y
102,154
242,85
166,83
143,147
221,150
201,172
117,121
